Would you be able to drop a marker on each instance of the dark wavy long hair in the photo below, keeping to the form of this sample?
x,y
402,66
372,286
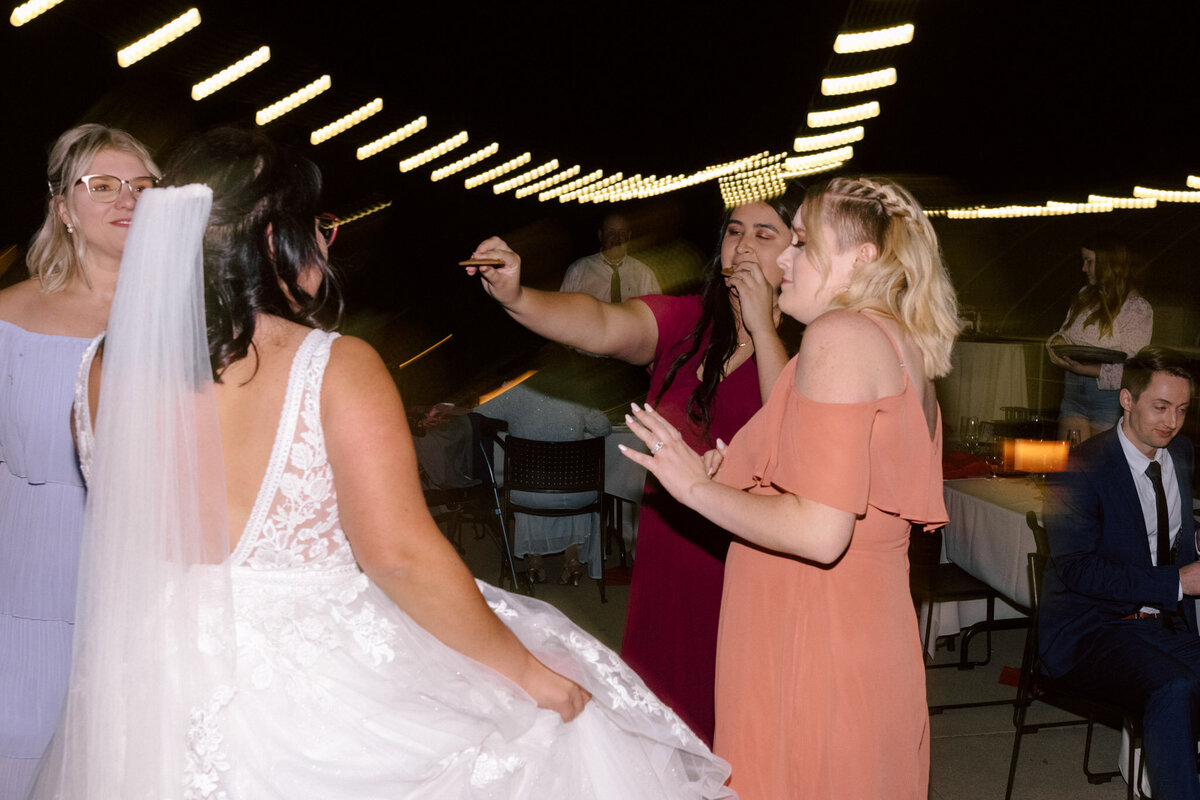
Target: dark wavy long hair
x,y
716,318
261,236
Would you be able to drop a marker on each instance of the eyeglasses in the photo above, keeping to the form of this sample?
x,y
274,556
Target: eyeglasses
x,y
107,188
328,224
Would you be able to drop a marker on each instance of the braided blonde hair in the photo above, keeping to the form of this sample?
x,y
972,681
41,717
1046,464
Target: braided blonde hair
x,y
907,281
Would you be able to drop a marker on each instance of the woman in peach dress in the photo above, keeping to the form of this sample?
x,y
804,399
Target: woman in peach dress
x,y
820,680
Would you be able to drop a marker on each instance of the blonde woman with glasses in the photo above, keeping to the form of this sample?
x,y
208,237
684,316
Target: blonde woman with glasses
x,y
94,178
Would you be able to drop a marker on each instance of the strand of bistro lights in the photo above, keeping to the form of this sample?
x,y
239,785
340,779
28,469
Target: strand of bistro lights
x,y
743,180
1142,198
826,151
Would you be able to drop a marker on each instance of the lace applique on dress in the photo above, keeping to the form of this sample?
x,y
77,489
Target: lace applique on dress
x,y
300,589
294,524
81,413
205,758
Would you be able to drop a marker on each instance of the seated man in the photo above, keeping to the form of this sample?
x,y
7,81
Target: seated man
x,y
1117,616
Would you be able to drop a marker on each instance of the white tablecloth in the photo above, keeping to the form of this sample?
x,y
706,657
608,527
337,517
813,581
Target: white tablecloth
x,y
988,537
985,377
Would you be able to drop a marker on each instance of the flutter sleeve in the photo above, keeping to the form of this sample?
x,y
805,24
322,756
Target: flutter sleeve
x,y
820,451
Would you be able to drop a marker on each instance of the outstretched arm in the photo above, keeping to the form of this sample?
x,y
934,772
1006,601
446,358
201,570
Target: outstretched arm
x,y
627,331
395,540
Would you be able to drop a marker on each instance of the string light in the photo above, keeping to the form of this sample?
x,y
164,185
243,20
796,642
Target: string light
x,y
850,84
1124,202
463,163
1167,196
364,212
295,99
597,192
496,172
824,141
1090,207
393,138
832,165
1193,182
526,177
159,38
548,182
327,132
27,11
797,163
568,187
609,181
873,40
438,150
843,116
231,73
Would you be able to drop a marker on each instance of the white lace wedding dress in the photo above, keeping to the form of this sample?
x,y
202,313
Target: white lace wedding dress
x,y
338,694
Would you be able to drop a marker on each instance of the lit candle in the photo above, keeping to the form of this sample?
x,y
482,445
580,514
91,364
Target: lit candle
x,y
1031,455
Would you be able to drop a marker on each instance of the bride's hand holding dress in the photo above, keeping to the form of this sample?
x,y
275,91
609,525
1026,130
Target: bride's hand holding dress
x,y
395,540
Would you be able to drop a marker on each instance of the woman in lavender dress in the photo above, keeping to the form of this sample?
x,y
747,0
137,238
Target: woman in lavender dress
x,y
95,175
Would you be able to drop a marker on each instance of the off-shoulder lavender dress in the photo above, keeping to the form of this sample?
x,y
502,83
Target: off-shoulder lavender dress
x,y
41,519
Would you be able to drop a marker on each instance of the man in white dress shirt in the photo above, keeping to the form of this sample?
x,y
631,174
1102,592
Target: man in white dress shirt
x,y
1114,620
612,275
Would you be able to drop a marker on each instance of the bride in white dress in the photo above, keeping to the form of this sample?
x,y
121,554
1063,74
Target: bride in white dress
x,y
292,624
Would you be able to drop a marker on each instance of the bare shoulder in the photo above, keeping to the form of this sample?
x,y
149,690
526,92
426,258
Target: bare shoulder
x,y
362,414
846,358
356,379
351,357
19,300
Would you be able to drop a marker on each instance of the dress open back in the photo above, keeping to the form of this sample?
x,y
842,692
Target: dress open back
x,y
338,693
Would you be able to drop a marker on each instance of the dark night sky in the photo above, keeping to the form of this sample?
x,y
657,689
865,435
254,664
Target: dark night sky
x,y
998,101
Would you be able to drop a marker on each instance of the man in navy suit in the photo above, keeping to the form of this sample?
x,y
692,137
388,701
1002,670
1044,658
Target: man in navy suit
x,y
1117,616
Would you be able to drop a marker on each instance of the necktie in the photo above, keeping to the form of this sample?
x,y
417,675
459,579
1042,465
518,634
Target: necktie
x,y
1154,473
614,288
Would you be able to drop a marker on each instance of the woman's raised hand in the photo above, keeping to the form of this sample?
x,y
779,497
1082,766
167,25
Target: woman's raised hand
x,y
503,283
677,467
757,298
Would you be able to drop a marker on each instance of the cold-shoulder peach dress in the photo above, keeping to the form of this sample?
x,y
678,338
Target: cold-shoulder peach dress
x,y
820,681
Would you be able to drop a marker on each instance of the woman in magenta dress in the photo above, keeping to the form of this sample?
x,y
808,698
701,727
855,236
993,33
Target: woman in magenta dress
x,y
713,360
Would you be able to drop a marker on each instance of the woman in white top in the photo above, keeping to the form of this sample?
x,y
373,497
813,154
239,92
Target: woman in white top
x,y
1108,312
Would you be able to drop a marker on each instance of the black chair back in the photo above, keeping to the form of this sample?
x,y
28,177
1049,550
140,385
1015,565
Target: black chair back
x,y
531,465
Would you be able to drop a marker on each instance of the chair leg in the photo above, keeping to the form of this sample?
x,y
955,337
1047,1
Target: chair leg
x,y
1019,725
618,527
964,661
1096,778
604,513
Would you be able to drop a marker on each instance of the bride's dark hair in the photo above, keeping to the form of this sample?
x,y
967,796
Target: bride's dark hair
x,y
261,237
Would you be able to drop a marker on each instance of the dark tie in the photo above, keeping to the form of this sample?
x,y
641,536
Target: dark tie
x,y
614,288
1154,473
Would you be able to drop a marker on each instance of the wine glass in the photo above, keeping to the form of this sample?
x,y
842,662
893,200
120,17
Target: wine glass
x,y
971,433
